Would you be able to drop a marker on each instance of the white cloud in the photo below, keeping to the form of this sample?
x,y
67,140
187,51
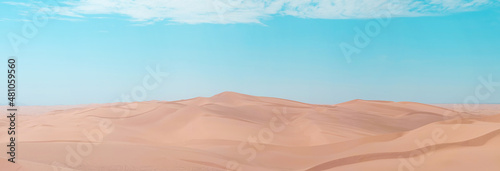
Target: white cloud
x,y
253,11
14,19
17,3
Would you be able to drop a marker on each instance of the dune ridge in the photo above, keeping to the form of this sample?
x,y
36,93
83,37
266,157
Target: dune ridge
x,y
256,133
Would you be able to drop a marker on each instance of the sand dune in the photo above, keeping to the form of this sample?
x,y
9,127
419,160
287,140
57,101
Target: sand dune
x,y
231,131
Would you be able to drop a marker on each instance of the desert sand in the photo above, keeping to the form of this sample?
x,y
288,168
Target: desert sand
x,y
232,131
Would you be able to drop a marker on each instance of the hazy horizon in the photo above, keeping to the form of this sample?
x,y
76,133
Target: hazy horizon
x,y
256,96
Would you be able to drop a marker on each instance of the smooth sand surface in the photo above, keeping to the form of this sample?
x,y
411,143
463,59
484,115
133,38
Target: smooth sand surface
x,y
232,131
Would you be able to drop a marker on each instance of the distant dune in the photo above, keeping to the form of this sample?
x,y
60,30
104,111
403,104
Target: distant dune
x,y
232,131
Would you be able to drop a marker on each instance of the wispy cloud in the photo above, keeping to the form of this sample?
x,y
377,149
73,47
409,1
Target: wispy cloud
x,y
17,3
253,11
15,19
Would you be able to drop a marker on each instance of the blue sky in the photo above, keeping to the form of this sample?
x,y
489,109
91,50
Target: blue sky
x,y
95,51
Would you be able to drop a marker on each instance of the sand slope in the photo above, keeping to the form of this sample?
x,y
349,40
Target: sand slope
x,y
232,130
